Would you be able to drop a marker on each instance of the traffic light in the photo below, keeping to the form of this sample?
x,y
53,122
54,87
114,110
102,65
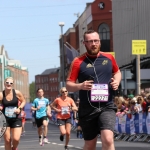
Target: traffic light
x,y
133,70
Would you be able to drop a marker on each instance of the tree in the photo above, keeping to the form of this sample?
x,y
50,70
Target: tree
x,y
32,91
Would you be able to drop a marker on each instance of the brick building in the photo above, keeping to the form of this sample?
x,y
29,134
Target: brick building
x,y
49,82
97,16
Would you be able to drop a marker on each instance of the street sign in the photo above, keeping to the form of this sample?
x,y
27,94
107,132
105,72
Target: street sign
x,y
139,47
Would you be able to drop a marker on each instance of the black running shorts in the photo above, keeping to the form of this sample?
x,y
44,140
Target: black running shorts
x,y
61,122
92,125
14,122
39,121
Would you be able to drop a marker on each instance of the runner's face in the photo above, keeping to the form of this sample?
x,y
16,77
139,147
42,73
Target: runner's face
x,y
64,92
92,43
8,84
40,93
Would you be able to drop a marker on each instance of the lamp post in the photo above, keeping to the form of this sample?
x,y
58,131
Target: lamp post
x,y
61,24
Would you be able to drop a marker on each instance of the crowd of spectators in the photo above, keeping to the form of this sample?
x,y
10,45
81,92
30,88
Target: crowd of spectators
x,y
130,104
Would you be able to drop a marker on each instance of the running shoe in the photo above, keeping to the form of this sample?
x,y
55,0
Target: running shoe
x,y
66,148
45,140
41,140
62,137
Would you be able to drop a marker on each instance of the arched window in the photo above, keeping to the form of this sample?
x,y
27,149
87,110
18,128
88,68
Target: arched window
x,y
104,31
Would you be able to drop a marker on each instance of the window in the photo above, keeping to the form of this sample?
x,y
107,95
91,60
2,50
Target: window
x,y
104,31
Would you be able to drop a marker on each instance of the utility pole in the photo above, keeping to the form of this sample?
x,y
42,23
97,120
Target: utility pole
x,y
138,79
61,24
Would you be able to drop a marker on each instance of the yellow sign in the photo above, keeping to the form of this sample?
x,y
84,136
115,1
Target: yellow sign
x,y
139,47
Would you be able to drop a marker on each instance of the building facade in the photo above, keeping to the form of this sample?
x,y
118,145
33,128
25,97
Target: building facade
x,y
13,68
130,22
49,82
118,22
97,16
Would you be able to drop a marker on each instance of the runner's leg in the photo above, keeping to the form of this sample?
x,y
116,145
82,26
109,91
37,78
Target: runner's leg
x,y
90,144
7,139
16,133
68,129
45,125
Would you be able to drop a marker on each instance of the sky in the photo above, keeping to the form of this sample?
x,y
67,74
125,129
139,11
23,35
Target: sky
x,y
30,30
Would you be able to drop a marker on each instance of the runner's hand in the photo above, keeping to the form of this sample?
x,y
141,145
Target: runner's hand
x,y
38,107
1,107
114,83
49,115
87,85
17,111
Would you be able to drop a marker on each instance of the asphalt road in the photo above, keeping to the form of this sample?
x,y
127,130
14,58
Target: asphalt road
x,y
29,141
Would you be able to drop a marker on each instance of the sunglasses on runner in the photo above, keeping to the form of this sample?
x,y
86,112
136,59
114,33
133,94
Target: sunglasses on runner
x,y
64,91
9,83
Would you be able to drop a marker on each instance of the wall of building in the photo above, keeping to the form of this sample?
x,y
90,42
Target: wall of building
x,y
130,22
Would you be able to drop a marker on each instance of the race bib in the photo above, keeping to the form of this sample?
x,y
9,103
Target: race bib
x,y
99,93
9,112
64,110
42,103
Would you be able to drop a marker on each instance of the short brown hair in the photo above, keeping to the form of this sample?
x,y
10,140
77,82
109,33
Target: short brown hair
x,y
88,32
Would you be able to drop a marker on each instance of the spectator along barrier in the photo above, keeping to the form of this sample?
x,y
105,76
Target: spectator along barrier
x,y
133,127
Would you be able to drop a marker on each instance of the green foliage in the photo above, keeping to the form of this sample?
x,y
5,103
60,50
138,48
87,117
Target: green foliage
x,y
32,91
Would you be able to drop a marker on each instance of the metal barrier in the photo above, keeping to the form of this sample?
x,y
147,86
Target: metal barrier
x,y
136,128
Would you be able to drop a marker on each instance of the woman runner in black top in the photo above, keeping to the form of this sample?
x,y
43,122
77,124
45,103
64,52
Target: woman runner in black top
x,y
10,99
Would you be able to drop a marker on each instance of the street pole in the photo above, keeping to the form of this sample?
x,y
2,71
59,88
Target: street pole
x,y
138,79
61,24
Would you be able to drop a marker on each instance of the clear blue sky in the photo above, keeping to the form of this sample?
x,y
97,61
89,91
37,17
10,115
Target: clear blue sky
x,y
30,32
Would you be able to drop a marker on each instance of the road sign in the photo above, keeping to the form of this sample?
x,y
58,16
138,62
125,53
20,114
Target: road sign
x,y
139,47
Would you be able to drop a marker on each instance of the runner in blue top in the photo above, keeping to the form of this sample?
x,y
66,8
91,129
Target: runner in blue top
x,y
42,108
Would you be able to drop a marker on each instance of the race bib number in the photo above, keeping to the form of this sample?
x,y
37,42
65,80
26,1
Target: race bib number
x,y
10,112
42,103
99,93
64,110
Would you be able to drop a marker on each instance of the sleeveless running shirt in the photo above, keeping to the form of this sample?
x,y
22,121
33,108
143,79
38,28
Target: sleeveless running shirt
x,y
10,106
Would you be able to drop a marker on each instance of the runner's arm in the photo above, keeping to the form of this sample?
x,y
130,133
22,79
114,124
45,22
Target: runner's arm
x,y
33,108
72,86
74,107
21,99
49,110
116,80
1,97
54,106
